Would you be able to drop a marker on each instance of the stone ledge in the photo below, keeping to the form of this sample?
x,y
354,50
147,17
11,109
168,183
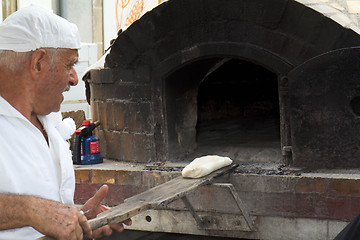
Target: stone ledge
x,y
244,168
322,194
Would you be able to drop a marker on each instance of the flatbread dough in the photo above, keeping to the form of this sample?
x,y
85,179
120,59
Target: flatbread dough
x,y
205,165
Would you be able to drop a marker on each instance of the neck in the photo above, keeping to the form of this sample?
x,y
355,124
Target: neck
x,y
19,104
18,94
35,121
17,91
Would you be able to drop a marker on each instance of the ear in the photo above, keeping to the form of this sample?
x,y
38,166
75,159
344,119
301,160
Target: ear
x,y
37,61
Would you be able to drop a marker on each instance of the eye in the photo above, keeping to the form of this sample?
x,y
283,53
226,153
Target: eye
x,y
71,65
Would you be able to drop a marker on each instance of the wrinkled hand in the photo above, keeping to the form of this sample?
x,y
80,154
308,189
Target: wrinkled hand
x,y
59,221
94,207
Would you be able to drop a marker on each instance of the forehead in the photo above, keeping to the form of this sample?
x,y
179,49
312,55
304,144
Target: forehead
x,y
70,55
63,55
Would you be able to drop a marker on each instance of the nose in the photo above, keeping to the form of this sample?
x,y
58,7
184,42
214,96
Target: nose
x,y
73,79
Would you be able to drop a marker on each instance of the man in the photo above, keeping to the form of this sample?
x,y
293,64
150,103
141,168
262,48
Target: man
x,y
38,50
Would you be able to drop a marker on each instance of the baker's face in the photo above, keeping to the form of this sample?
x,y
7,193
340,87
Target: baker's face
x,y
59,76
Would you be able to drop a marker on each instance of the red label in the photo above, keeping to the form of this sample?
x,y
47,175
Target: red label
x,y
81,149
94,147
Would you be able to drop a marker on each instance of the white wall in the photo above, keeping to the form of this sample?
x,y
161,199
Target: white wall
x,y
80,13
44,3
1,16
109,22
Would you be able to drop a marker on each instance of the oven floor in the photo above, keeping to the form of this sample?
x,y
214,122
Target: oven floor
x,y
244,140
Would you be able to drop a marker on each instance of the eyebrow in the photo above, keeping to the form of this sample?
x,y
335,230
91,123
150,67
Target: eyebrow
x,y
73,61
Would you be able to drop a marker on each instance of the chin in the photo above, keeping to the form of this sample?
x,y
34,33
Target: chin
x,y
56,109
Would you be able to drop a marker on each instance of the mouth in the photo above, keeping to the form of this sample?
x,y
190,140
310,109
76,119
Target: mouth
x,y
67,88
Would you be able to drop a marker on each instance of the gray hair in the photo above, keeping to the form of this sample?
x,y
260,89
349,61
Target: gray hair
x,y
15,61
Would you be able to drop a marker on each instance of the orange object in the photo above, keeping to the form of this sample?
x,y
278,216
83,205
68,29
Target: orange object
x,y
135,12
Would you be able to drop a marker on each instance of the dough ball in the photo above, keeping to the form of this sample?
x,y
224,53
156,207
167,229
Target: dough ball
x,y
205,165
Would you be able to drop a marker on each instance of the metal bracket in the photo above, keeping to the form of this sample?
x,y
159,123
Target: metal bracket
x,y
192,211
237,199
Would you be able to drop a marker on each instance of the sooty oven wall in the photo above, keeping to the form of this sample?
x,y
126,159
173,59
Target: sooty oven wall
x,y
231,110
196,77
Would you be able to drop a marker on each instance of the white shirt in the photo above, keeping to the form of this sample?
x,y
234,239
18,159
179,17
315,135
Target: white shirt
x,y
28,165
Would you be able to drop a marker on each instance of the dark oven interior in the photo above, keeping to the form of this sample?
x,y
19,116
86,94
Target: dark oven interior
x,y
223,106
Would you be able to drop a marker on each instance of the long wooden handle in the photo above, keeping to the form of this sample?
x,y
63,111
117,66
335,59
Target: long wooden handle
x,y
114,215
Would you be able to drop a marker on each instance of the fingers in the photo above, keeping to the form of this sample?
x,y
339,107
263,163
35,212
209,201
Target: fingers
x,y
78,233
93,204
108,229
85,226
119,226
61,221
57,220
74,225
127,222
99,196
101,232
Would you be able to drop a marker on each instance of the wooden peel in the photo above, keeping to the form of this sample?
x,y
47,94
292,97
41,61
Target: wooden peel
x,y
153,198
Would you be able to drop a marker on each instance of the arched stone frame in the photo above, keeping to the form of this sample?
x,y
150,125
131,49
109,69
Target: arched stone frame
x,y
244,51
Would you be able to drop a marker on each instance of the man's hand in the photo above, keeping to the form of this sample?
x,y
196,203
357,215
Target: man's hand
x,y
93,207
61,221
46,216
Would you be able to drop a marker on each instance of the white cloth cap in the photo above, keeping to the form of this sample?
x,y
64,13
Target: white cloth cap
x,y
34,27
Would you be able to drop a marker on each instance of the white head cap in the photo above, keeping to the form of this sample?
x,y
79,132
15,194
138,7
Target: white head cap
x,y
34,27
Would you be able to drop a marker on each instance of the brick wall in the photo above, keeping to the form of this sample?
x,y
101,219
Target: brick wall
x,y
125,112
334,196
122,183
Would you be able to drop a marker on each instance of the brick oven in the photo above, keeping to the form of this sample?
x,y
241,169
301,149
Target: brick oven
x,y
263,82
204,77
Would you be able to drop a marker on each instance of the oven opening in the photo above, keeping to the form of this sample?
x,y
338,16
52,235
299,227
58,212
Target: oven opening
x,y
238,113
223,106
